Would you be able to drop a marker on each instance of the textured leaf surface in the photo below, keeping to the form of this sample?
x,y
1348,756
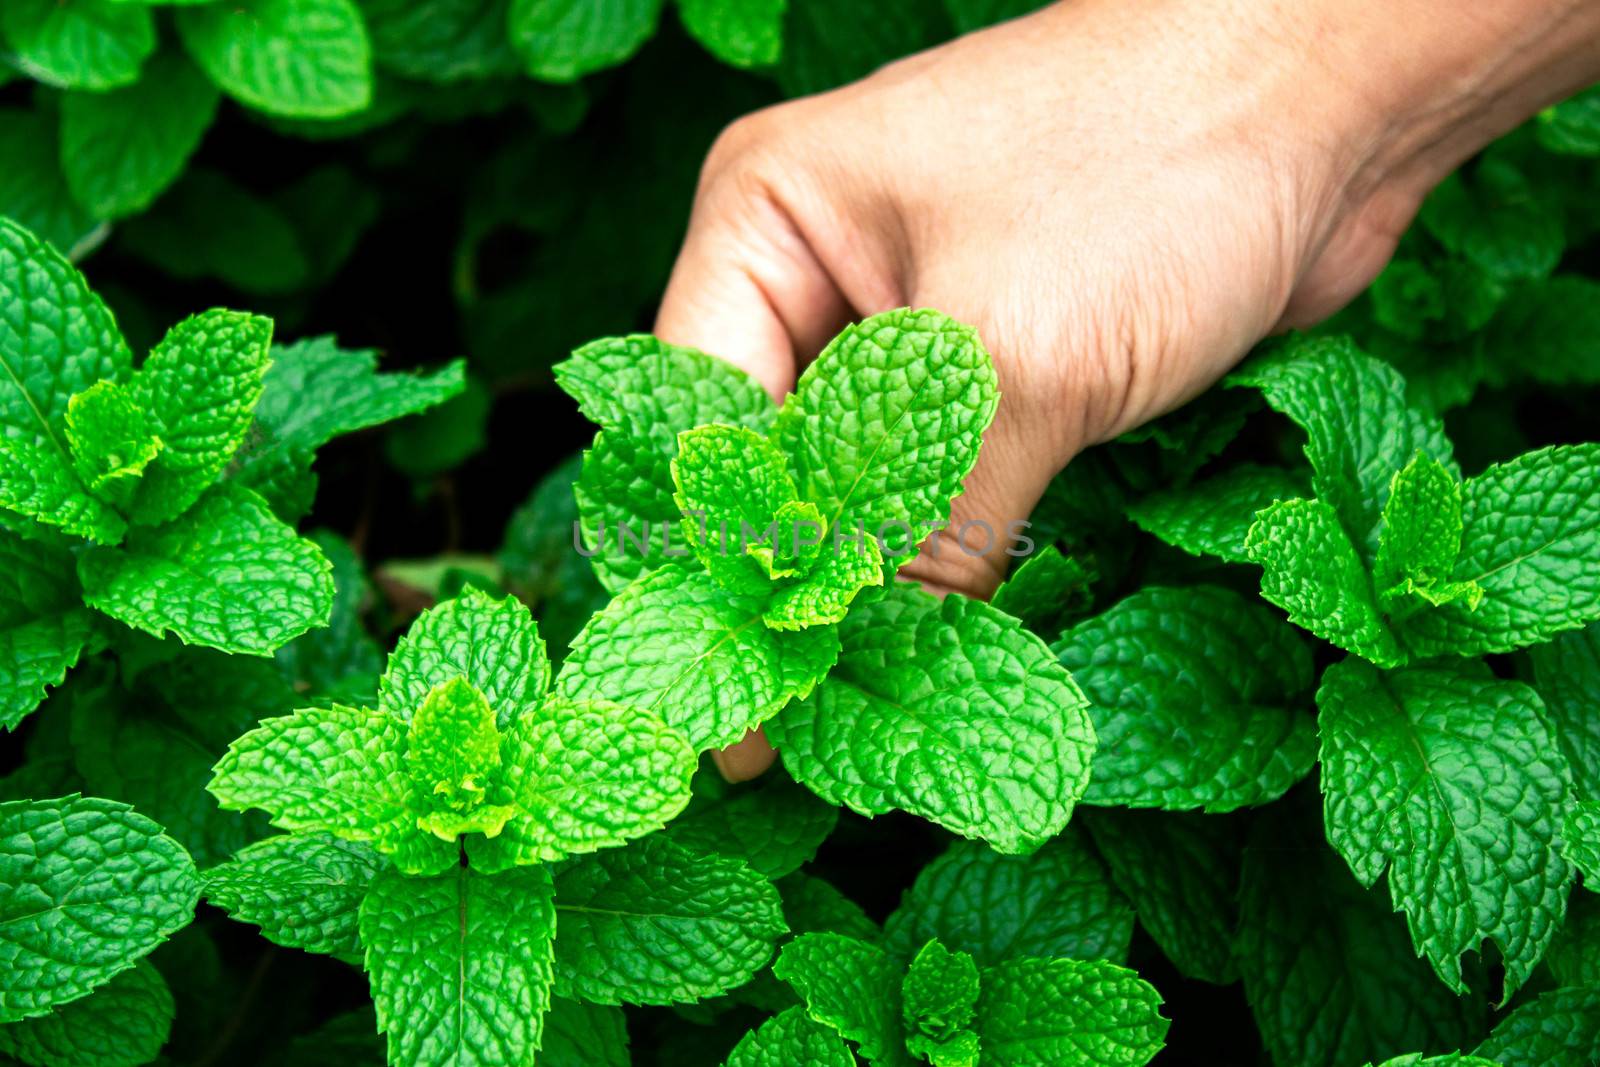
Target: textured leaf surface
x,y
84,44
1421,533
452,755
852,987
302,890
825,594
112,439
1067,1013
775,827
1057,902
492,643
729,479
460,964
1198,699
1559,1029
583,1035
41,484
340,664
1045,588
1567,676
1213,517
1311,570
745,33
582,777
120,149
938,997
43,626
885,425
656,923
1531,534
1451,781
562,40
790,1038
1580,841
87,887
122,1024
1574,954
440,40
228,574
297,58
1181,871
949,710
680,645
1493,218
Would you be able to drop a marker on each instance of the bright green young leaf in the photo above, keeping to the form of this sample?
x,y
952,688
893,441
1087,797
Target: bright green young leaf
x,y
577,1034
1559,1029
885,425
198,386
1181,872
112,439
122,1024
1531,531
731,483
452,758
1420,540
852,987
43,626
492,643
1057,902
1047,588
228,574
1580,841
1311,570
78,44
656,923
1359,427
745,33
1199,700
41,484
87,887
1068,1013
582,776
790,1038
562,40
441,41
993,743
1567,676
938,997
121,149
460,964
680,645
824,595
1212,517
774,826
1450,781
302,890
297,58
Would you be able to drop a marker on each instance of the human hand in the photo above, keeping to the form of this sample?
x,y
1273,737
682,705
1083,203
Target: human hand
x,y
1122,199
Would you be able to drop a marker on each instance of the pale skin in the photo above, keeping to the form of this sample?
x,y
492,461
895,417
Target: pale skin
x,y
1122,198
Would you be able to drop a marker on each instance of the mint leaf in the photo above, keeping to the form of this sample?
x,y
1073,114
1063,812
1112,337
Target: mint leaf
x,y
440,40
1057,902
583,1035
198,386
1448,779
852,987
1311,569
702,658
938,997
730,479
1420,541
37,483
993,744
342,662
775,826
790,1038
539,563
452,757
1530,527
656,923
33,192
121,149
1580,841
302,890
643,393
89,887
1559,1029
492,643
1494,218
1574,954
745,33
562,40
112,440
87,44
1068,1013
227,574
1181,872
1213,517
884,427
1359,427
1573,126
579,777
460,964
125,1021
824,595
43,626
296,58
1449,1059
1567,676
1045,589
1197,697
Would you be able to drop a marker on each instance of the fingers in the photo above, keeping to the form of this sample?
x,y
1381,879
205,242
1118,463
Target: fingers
x,y
748,759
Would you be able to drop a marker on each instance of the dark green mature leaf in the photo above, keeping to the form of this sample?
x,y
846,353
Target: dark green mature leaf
x,y
774,827
1450,781
542,564
1494,217
1330,974
1580,841
1574,954
121,149
302,890
342,662
1213,517
460,964
993,743
577,1034
43,626
85,44
1573,126
33,192
296,58
87,887
657,923
445,436
1559,1029
1057,902
122,1024
440,40
562,40
1181,871
969,15
1567,676
827,43
1047,588
790,1038
1068,1013
1197,697
852,987
1548,332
